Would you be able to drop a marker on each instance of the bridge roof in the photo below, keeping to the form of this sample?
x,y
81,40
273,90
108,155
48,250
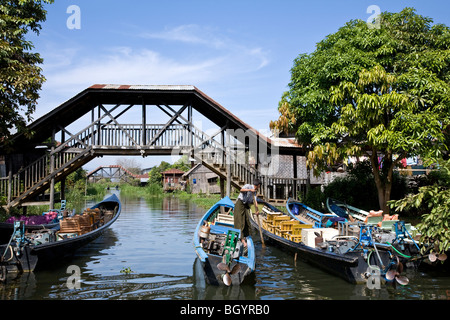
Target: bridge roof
x,y
97,94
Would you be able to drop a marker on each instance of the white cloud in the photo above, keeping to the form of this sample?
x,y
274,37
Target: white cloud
x,y
202,57
192,34
209,37
126,66
75,67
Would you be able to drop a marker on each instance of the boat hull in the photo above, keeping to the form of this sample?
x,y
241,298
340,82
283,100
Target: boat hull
x,y
35,257
7,229
307,215
210,261
214,276
352,266
344,210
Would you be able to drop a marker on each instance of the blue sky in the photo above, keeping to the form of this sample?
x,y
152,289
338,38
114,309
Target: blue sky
x,y
237,52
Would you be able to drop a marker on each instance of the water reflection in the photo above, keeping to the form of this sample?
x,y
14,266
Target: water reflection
x,y
18,287
135,287
203,291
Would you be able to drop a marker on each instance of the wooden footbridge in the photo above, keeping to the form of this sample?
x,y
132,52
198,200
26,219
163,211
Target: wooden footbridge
x,y
120,120
113,172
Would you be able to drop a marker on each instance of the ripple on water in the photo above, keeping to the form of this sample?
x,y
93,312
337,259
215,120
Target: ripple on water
x,y
126,286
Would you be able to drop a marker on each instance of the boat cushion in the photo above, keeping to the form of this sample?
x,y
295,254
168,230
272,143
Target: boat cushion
x,y
295,209
222,229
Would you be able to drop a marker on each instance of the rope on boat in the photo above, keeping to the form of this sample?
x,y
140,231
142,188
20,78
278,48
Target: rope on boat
x,y
378,255
368,262
9,242
12,253
403,255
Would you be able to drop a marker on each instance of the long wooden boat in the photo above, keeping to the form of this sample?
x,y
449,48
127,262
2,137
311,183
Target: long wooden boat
x,y
307,215
344,210
219,249
350,258
27,251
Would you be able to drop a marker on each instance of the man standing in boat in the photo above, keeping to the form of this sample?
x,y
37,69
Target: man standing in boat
x,y
246,197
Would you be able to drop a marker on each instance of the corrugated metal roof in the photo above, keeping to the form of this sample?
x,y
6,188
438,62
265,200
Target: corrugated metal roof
x,y
143,87
173,171
285,142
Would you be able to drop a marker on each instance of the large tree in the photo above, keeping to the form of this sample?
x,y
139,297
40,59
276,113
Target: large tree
x,y
20,75
382,93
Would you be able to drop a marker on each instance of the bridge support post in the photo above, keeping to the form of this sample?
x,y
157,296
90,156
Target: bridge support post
x,y
228,166
222,187
294,182
8,201
52,169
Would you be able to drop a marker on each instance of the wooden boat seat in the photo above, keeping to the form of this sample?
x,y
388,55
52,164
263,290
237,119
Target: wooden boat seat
x,y
225,219
294,238
278,219
373,220
288,225
388,224
297,229
70,225
271,215
267,210
86,223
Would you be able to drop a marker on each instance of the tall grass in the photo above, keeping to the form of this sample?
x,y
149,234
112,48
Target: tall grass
x,y
149,191
200,199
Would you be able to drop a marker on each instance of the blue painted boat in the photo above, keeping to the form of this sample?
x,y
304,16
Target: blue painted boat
x,y
217,244
344,210
307,215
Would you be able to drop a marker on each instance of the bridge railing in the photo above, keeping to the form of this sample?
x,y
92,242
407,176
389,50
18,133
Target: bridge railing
x,y
129,135
133,135
35,172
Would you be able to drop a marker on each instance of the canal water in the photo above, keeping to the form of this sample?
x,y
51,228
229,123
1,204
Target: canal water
x,y
148,254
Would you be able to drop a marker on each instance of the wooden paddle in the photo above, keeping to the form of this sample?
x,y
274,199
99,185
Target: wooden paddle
x,y
257,220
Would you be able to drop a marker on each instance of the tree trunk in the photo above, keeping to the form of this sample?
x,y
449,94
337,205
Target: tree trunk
x,y
383,187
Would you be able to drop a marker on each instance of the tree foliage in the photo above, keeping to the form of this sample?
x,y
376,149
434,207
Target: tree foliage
x,y
435,198
382,93
20,75
357,188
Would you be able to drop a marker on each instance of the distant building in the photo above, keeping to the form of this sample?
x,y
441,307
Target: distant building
x,y
172,180
202,180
